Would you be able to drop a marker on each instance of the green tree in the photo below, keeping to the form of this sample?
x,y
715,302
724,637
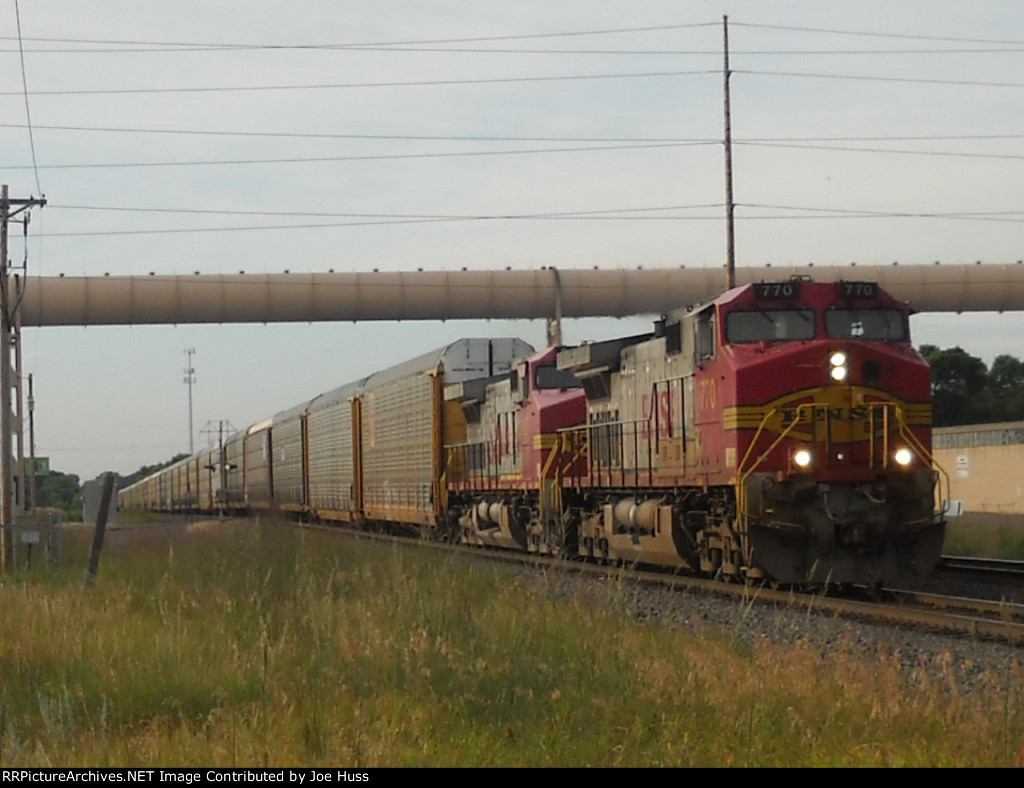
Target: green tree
x,y
959,386
60,491
1006,389
147,470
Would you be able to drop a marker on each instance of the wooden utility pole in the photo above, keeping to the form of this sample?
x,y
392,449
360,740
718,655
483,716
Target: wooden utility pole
x,y
730,206
8,383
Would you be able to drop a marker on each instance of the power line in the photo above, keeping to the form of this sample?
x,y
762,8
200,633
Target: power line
x,y
499,138
385,220
369,222
365,157
335,136
28,114
870,78
902,152
209,212
410,49
534,151
362,85
411,42
811,212
876,34
508,81
400,45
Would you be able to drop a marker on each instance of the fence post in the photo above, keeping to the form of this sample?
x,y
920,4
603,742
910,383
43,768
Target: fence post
x,y
101,527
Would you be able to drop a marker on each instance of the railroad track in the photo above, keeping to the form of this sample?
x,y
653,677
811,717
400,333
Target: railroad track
x,y
980,570
980,618
930,612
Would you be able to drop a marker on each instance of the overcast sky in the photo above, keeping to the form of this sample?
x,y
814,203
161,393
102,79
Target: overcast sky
x,y
262,136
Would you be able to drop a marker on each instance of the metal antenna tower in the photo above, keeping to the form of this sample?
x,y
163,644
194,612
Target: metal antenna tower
x,y
190,378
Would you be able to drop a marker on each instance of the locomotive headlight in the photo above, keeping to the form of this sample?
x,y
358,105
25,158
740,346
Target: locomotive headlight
x,y
802,458
837,362
903,456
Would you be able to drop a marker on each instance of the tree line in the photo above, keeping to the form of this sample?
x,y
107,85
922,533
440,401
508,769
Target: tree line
x,y
966,391
63,491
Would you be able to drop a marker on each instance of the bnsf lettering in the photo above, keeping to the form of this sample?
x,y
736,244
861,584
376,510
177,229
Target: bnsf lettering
x,y
664,415
857,413
790,415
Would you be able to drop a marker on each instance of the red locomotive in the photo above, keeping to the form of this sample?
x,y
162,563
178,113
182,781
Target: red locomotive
x,y
781,430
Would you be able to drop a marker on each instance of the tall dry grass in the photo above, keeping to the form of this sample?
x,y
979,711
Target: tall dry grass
x,y
271,646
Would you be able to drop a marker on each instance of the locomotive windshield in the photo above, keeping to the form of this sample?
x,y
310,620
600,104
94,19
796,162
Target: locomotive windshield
x,y
877,324
769,325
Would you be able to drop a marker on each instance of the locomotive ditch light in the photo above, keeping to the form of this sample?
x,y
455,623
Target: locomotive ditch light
x,y
802,458
903,456
839,370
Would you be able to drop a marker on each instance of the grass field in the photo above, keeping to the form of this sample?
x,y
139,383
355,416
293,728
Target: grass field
x,y
988,535
233,644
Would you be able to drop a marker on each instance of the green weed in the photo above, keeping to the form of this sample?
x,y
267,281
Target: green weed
x,y
229,645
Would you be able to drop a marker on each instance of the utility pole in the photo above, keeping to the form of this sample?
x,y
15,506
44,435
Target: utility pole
x,y
7,382
31,446
730,206
190,378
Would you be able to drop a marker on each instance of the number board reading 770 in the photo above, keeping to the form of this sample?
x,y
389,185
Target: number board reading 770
x,y
777,291
857,289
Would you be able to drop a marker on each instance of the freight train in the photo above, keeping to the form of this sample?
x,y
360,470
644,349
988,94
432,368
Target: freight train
x,y
780,432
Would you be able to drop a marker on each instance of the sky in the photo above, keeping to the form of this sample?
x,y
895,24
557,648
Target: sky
x,y
264,136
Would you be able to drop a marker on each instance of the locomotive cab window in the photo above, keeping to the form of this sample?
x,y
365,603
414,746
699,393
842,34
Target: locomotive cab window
x,y
769,325
705,336
550,377
870,324
520,386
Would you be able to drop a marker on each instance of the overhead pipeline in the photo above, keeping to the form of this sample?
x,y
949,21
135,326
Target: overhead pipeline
x,y
455,295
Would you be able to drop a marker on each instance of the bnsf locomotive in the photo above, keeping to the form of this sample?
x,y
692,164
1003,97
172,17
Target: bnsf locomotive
x,y
779,432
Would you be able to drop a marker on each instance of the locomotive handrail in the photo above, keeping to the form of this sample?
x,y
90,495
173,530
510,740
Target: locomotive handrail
x,y
556,492
460,460
570,446
913,440
636,471
757,435
741,491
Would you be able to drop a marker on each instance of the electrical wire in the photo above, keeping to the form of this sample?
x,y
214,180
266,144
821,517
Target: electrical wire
x,y
876,34
412,42
28,113
871,78
518,138
362,85
364,157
